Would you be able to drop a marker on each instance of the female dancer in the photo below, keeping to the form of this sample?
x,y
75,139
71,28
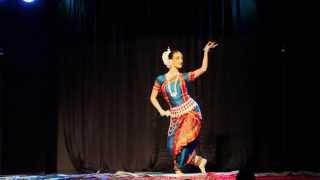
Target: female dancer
x,y
185,115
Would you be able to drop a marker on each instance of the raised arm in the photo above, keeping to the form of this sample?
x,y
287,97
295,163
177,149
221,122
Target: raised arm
x,y
204,65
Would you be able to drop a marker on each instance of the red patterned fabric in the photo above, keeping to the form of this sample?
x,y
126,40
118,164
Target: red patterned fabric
x,y
188,131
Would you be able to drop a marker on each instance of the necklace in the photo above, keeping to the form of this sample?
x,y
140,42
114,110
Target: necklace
x,y
174,93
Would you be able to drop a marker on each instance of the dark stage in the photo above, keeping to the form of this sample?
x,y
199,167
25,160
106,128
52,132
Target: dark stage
x,y
77,76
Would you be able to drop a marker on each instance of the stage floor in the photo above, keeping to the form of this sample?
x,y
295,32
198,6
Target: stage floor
x,y
233,175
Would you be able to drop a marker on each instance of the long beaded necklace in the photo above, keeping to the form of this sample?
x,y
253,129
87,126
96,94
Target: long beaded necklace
x,y
174,93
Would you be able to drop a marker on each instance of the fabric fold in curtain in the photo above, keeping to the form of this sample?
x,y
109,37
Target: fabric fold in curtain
x,y
107,69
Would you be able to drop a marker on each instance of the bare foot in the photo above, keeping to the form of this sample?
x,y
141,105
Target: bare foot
x,y
202,165
179,173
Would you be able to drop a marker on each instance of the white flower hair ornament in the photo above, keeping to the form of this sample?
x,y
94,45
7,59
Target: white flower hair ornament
x,y
165,57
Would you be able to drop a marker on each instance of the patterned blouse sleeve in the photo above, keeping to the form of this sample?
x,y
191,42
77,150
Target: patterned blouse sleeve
x,y
189,76
157,83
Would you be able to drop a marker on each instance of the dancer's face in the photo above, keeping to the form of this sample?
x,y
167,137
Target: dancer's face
x,y
177,60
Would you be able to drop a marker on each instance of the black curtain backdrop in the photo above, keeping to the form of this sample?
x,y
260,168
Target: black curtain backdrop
x,y
77,76
109,56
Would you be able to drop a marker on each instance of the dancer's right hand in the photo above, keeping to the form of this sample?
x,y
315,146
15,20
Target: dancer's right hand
x,y
165,113
210,45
